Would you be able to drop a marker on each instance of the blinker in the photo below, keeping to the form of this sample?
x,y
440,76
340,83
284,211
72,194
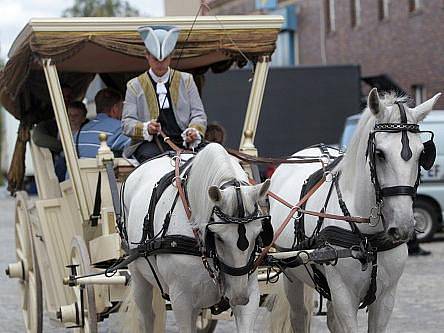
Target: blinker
x,y
242,242
428,155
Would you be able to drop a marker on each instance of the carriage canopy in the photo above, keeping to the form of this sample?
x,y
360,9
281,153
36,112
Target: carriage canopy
x,y
111,47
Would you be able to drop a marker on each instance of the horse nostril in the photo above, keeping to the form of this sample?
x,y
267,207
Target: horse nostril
x,y
394,233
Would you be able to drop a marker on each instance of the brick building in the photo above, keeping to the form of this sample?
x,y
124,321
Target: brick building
x,y
402,39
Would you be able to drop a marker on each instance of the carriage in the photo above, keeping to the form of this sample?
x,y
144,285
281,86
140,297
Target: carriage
x,y
64,239
57,235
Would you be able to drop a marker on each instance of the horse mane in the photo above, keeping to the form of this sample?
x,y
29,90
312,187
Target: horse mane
x,y
211,166
354,160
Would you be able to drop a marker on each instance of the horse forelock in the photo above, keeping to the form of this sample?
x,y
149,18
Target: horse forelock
x,y
212,166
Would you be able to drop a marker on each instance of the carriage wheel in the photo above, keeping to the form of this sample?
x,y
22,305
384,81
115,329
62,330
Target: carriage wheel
x,y
205,324
30,280
80,256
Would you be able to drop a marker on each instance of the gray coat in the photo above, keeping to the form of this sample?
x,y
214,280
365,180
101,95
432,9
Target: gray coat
x,y
141,106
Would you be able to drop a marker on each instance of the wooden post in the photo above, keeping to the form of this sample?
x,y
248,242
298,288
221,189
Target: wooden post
x,y
254,107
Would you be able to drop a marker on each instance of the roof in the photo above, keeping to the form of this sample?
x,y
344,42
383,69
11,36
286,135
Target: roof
x,y
112,45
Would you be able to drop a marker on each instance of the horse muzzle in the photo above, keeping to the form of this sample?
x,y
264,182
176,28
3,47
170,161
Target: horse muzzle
x,y
400,234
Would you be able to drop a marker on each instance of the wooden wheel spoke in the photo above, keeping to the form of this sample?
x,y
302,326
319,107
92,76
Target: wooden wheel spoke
x,y
80,256
20,255
19,236
25,298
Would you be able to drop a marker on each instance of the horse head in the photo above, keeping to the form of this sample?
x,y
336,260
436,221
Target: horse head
x,y
395,152
233,233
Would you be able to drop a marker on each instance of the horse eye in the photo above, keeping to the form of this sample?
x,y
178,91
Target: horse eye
x,y
380,154
219,239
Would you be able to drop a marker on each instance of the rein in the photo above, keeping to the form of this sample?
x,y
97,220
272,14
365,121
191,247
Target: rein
x,y
293,210
269,160
180,189
356,219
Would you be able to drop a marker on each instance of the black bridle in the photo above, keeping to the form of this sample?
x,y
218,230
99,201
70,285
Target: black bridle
x,y
426,159
240,218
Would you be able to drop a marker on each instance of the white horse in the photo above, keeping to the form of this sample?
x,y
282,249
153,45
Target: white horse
x,y
347,282
183,277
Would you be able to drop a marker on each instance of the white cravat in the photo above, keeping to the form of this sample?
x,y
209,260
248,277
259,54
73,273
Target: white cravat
x,y
161,89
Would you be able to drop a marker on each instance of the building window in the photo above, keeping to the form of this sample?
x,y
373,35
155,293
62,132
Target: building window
x,y
414,5
420,93
355,12
383,9
329,14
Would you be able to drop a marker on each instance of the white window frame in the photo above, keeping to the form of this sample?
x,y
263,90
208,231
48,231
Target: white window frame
x,y
420,93
418,5
331,5
385,9
357,13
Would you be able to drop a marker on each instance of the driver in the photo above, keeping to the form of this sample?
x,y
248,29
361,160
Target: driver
x,y
161,99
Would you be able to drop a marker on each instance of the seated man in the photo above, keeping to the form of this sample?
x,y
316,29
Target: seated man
x,y
161,99
109,112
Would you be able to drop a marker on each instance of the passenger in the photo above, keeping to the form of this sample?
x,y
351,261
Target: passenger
x,y
46,134
109,112
215,133
161,99
77,115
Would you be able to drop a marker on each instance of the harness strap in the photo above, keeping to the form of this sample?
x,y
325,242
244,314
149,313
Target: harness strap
x,y
165,296
323,209
94,217
179,187
398,190
237,271
109,167
370,297
294,209
186,206
159,188
357,219
268,160
350,219
166,222
406,152
345,210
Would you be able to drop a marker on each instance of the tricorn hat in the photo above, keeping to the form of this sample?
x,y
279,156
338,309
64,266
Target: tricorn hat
x,y
159,40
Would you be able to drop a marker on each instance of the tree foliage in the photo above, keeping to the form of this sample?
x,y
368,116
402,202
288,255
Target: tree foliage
x,y
95,8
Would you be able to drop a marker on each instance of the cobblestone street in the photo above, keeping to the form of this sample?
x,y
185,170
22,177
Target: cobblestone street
x,y
419,306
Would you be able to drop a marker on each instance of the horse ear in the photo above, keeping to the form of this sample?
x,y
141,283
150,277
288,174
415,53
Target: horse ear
x,y
215,194
374,104
263,189
422,110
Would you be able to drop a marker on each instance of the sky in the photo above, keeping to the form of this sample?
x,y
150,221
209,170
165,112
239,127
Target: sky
x,y
16,13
